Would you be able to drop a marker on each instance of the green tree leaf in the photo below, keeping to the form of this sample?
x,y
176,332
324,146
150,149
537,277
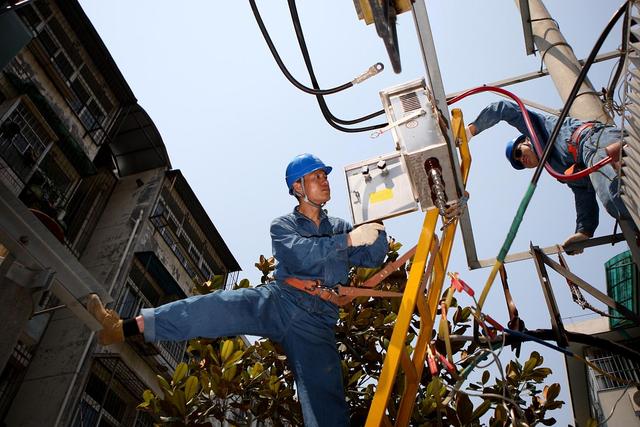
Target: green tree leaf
x,y
179,373
191,387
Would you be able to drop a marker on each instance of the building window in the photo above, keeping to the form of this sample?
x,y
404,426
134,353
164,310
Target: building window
x,y
178,237
110,396
12,375
85,207
24,137
195,257
612,364
86,96
142,291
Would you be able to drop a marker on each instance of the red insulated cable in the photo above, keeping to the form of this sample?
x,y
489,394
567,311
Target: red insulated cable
x,y
525,114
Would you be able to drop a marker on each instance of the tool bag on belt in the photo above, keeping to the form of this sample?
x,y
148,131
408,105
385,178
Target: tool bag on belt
x,y
574,143
343,295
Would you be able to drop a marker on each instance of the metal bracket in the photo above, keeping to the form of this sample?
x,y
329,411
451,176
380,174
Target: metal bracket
x,y
610,302
526,26
556,319
37,280
550,250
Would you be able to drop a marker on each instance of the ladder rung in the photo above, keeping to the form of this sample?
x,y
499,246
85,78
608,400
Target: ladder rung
x,y
424,311
407,366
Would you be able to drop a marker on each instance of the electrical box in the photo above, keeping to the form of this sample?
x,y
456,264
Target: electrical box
x,y
418,175
420,139
379,188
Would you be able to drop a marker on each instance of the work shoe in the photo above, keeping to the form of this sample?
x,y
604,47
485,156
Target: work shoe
x,y
111,332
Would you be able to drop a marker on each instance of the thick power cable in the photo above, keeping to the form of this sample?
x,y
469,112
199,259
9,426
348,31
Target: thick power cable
x,y
321,102
517,220
283,68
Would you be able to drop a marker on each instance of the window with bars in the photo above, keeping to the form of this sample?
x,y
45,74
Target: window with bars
x,y
24,137
86,96
110,397
142,291
13,374
180,236
613,364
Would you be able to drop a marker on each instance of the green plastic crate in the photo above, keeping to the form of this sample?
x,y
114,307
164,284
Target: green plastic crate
x,y
622,286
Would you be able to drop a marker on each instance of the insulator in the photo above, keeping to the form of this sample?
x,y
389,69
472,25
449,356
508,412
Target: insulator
x,y
436,183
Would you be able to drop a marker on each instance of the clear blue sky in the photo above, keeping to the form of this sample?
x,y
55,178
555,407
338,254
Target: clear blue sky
x,y
231,121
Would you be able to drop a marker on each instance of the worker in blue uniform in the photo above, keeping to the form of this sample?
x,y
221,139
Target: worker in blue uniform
x,y
579,145
314,253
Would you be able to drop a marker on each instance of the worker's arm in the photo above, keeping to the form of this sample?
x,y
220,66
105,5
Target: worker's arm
x,y
371,255
506,111
305,252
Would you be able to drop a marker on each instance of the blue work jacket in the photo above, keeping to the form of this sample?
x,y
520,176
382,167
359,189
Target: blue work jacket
x,y
559,158
307,251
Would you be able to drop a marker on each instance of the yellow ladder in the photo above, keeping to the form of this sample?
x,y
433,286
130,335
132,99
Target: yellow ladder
x,y
398,355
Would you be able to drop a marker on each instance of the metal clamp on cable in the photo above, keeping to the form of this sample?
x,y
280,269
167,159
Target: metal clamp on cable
x,y
454,210
372,71
403,120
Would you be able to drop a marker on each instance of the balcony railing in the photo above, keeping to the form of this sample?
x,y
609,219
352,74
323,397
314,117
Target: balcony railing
x,y
170,238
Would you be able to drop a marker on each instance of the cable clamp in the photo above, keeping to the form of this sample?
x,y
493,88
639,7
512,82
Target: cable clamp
x,y
397,123
372,71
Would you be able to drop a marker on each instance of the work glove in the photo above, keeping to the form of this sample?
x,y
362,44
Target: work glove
x,y
366,234
467,131
575,238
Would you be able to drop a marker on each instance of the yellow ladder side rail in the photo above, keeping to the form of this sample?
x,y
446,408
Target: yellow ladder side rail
x,y
413,291
423,340
433,301
405,314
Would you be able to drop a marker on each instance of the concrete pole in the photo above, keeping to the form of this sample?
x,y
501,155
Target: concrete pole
x,y
563,65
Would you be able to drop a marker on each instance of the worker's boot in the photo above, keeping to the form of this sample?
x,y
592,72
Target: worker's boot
x,y
111,332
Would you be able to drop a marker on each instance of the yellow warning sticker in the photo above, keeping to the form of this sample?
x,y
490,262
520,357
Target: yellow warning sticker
x,y
381,196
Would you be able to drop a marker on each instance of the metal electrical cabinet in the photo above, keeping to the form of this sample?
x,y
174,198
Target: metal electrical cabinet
x,y
419,173
379,188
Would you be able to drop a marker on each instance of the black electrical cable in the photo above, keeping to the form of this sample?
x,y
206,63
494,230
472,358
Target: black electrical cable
x,y
321,101
574,90
590,340
276,56
621,60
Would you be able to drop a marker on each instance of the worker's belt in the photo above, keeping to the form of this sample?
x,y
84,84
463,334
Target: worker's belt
x,y
574,143
338,295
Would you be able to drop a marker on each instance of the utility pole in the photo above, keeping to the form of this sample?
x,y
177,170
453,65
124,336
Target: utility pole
x,y
563,65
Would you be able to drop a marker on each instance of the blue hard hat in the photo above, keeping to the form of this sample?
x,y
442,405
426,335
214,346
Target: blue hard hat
x,y
511,145
301,165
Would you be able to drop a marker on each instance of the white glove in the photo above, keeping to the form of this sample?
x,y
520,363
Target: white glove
x,y
467,131
366,234
575,238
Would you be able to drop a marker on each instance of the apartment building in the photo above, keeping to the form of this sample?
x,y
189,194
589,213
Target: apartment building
x,y
89,202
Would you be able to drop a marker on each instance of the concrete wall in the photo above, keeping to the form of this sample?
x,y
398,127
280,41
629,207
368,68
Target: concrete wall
x,y
103,255
624,414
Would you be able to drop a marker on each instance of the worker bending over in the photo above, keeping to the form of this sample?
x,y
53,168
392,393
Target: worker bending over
x,y
314,253
579,145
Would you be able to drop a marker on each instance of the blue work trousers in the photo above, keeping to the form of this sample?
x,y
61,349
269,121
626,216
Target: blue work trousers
x,y
605,180
303,324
